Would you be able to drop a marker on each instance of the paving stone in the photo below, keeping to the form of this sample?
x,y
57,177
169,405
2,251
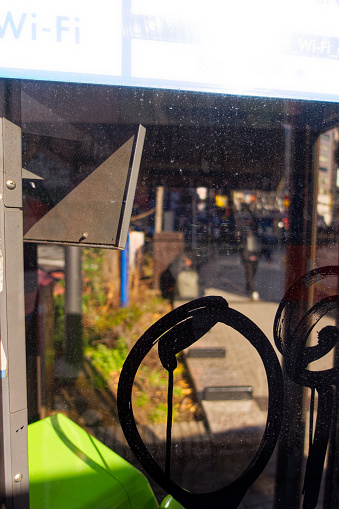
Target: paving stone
x,y
241,416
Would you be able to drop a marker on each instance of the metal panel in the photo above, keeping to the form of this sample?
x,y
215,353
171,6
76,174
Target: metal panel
x,y
12,164
13,408
14,268
19,459
98,211
126,215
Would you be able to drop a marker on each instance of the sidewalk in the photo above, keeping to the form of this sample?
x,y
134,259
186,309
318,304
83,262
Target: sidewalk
x,y
236,425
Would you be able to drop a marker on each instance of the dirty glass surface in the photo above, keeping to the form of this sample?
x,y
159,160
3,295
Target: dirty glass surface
x,y
237,199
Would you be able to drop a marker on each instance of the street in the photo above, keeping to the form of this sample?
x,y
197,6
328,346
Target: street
x,y
225,271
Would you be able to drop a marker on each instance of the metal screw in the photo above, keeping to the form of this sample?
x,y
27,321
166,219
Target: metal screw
x,y
11,184
83,236
18,478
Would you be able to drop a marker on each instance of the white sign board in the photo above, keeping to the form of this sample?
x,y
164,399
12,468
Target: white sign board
x,y
269,48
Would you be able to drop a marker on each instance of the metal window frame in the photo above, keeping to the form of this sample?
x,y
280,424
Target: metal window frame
x,y
14,482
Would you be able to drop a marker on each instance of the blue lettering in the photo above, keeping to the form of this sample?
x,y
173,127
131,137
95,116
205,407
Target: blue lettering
x,y
63,24
77,32
9,21
60,28
33,28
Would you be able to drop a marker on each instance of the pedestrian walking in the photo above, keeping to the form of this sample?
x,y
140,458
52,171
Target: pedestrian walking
x,y
250,252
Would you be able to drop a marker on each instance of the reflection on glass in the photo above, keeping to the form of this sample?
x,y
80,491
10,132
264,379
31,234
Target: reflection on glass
x,y
238,198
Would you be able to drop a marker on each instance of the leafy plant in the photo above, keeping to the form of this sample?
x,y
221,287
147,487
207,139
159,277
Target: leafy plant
x,y
109,333
159,414
105,359
142,400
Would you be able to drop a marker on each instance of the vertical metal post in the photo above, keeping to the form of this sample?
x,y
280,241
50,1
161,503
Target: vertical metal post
x,y
159,204
73,306
32,331
331,497
124,271
194,242
14,486
298,262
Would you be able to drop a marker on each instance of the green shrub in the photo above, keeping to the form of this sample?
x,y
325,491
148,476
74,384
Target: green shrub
x,y
107,359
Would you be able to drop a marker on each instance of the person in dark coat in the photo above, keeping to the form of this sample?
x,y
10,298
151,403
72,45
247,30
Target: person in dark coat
x,y
250,255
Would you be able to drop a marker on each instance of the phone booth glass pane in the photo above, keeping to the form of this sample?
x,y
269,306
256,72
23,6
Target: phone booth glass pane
x,y
181,280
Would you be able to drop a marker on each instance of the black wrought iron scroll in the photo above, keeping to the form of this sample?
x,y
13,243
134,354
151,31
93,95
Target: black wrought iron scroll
x,y
185,325
291,341
177,330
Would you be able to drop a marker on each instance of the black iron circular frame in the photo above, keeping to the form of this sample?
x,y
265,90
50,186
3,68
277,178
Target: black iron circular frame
x,y
198,317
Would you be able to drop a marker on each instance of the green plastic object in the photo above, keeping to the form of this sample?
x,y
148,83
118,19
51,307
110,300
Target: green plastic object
x,y
70,469
170,503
